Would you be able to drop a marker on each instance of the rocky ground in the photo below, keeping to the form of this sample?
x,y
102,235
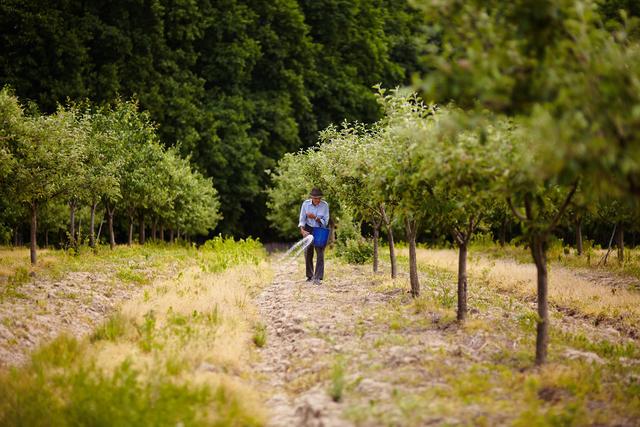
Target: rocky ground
x,y
44,308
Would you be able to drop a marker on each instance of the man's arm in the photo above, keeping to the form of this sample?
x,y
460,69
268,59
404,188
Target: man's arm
x,y
302,220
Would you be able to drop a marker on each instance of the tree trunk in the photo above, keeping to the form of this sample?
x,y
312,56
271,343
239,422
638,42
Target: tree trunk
x,y
92,226
462,281
46,238
34,227
72,223
503,232
112,237
376,237
332,232
579,248
613,234
162,232
538,251
130,241
154,229
171,235
141,236
392,250
620,242
16,233
411,229
99,230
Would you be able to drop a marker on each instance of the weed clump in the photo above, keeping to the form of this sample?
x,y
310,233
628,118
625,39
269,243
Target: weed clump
x,y
112,329
260,335
338,381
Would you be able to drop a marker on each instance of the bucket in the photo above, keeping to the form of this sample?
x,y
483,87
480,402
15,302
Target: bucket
x,y
320,236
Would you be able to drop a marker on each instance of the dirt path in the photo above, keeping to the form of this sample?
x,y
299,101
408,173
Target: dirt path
x,y
312,329
293,310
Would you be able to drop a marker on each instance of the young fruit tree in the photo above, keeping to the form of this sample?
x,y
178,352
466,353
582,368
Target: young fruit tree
x,y
352,172
464,165
407,119
571,83
49,155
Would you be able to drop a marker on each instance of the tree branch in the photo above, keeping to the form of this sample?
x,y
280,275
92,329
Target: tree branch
x,y
564,207
457,236
515,211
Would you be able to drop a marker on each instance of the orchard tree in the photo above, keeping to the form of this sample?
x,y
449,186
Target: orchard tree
x,y
105,159
122,128
571,84
350,171
623,215
139,188
294,176
192,205
53,218
47,163
12,124
398,162
464,165
539,202
289,189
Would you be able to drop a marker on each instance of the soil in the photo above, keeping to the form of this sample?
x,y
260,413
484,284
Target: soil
x,y
45,308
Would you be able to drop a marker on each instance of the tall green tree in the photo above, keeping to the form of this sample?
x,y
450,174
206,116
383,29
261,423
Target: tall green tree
x,y
235,84
48,160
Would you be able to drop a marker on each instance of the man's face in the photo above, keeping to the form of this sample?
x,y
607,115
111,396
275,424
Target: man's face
x,y
316,200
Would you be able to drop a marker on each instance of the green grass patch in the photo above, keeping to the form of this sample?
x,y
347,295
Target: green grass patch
x,y
338,381
79,393
221,253
130,275
260,335
115,327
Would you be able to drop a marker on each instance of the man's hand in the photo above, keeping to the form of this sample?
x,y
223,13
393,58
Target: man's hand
x,y
311,215
304,232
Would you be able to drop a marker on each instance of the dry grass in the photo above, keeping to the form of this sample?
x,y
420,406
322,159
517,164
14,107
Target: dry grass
x,y
566,289
185,341
13,259
201,328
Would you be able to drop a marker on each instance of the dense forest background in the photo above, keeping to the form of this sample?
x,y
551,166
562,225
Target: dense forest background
x,y
233,84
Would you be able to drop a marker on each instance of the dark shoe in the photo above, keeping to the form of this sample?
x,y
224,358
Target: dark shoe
x,y
317,281
309,279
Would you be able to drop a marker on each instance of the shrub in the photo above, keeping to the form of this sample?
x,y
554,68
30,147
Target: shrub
x,y
221,253
355,251
112,329
351,246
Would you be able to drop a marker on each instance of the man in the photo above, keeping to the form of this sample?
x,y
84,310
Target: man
x,y
314,213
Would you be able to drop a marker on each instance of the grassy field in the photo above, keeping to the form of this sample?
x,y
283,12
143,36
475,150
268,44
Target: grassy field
x,y
176,354
224,336
575,291
483,372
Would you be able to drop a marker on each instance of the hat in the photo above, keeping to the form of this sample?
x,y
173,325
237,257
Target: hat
x,y
316,192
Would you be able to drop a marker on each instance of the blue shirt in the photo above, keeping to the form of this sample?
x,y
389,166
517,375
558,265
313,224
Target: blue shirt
x,y
321,211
